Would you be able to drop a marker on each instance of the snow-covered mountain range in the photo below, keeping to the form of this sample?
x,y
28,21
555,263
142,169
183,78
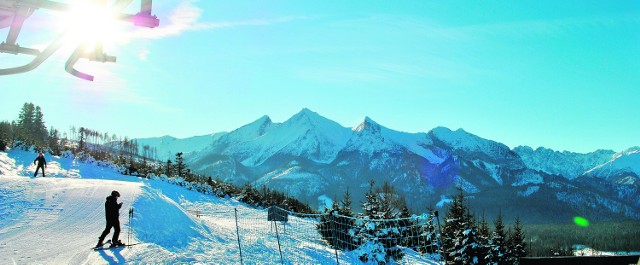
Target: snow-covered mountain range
x,y
312,157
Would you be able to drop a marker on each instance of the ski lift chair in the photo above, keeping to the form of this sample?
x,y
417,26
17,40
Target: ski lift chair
x,y
13,13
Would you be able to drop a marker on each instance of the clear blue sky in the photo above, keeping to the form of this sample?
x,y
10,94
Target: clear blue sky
x,y
558,74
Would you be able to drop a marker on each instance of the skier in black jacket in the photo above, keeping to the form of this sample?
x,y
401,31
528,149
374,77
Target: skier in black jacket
x,y
112,208
41,164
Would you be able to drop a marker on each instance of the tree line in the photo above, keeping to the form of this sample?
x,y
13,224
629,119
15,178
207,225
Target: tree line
x,y
386,227
29,129
468,240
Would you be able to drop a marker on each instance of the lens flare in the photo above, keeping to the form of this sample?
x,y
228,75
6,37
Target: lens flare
x,y
581,221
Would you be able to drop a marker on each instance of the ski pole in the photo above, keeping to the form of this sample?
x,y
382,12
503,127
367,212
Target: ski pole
x,y
129,231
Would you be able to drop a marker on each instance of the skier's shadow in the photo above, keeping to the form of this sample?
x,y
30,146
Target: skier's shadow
x,y
117,257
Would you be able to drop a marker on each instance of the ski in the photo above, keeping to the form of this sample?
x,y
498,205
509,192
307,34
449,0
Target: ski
x,y
115,247
102,246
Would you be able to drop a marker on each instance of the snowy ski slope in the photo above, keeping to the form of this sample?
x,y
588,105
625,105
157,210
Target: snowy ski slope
x,y
57,219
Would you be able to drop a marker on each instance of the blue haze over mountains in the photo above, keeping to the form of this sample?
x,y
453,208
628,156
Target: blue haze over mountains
x,y
314,158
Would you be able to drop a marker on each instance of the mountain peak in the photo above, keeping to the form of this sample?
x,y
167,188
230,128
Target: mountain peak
x,y
309,118
264,119
367,124
257,128
305,112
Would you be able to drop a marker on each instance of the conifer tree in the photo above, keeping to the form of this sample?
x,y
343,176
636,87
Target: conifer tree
x,y
344,223
327,228
340,220
371,205
471,252
81,139
378,237
168,169
54,141
345,204
484,240
25,123
517,245
40,132
180,166
498,245
460,238
6,135
453,226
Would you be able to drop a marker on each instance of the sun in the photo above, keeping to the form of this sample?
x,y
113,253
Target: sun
x,y
89,23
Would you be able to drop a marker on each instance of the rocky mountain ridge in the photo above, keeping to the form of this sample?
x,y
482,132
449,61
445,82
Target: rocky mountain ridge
x,y
314,158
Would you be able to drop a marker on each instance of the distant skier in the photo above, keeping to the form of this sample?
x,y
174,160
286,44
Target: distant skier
x,y
112,208
41,164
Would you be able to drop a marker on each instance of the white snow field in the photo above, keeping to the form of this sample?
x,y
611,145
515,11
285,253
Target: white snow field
x,y
57,220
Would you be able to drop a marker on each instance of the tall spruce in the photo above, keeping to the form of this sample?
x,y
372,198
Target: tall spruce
x,y
517,247
484,239
180,165
346,204
471,252
498,252
40,132
460,239
378,234
26,123
344,223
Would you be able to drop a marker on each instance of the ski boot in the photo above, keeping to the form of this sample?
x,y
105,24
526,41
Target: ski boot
x,y
116,244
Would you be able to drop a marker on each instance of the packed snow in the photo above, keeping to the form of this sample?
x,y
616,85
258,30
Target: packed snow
x,y
57,220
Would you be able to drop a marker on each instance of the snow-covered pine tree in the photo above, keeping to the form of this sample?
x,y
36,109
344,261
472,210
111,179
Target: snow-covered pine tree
x,y
410,229
460,240
337,224
484,239
325,226
422,236
378,235
471,251
498,244
369,247
250,195
371,205
345,223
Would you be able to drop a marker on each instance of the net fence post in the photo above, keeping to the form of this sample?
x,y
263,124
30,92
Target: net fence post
x,y
279,248
238,233
334,234
439,239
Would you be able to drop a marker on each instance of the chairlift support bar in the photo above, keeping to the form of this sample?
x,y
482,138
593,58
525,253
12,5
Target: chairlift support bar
x,y
20,10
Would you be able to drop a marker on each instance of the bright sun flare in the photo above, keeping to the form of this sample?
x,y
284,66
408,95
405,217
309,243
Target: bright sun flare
x,y
90,23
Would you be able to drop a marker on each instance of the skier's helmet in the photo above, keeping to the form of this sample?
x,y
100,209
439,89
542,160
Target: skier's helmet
x,y
115,193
